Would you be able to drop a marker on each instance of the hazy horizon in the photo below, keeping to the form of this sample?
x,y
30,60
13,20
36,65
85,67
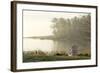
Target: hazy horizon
x,y
38,23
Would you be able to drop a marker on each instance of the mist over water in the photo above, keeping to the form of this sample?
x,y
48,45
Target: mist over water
x,y
37,44
45,45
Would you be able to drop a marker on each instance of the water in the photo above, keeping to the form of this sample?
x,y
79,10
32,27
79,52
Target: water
x,y
44,45
37,44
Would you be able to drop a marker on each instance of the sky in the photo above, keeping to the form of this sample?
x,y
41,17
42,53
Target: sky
x,y
38,23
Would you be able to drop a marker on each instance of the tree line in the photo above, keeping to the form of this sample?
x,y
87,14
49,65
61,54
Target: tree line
x,y
73,30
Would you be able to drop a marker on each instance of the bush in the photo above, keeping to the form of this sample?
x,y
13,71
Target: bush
x,y
84,54
61,54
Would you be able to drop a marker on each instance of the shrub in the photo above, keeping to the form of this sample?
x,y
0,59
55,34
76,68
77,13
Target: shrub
x,y
86,54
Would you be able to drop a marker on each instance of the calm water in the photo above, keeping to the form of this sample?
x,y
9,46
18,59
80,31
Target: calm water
x,y
44,45
37,44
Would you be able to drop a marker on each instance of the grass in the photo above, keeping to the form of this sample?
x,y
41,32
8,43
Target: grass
x,y
29,57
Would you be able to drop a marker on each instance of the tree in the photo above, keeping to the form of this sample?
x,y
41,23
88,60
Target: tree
x,y
75,30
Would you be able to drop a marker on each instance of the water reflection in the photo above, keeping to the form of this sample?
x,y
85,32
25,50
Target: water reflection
x,y
46,45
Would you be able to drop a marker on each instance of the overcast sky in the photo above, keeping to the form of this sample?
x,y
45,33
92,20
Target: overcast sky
x,y
37,23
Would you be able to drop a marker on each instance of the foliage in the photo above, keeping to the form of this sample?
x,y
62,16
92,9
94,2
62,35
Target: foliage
x,y
86,54
27,57
74,30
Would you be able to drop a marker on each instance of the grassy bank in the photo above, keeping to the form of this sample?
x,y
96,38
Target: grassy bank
x,y
29,57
